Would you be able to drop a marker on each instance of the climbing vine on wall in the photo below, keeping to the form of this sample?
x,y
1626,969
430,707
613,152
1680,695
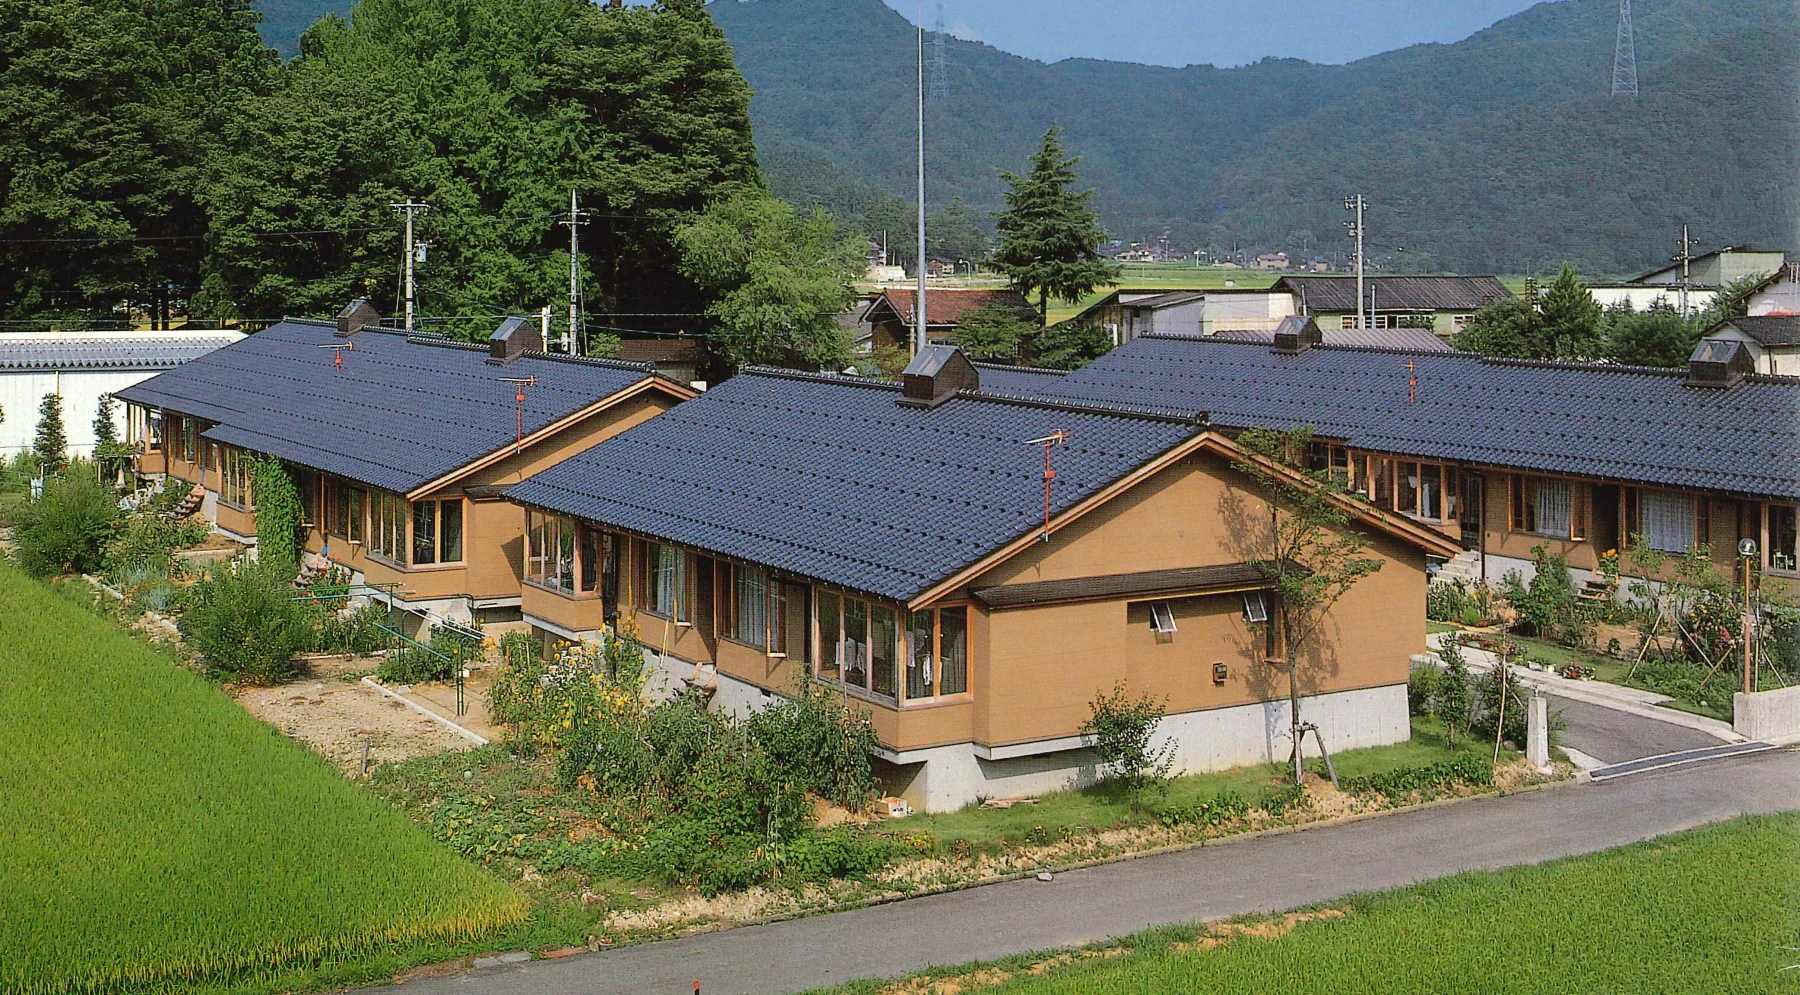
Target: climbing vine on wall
x,y
278,511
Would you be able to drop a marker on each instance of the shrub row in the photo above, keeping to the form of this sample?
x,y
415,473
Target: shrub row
x,y
1467,769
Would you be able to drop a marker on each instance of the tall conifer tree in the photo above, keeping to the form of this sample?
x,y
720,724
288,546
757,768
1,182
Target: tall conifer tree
x,y
1049,235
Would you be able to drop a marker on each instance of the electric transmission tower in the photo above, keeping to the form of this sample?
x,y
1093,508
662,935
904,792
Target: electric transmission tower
x,y
1625,55
940,69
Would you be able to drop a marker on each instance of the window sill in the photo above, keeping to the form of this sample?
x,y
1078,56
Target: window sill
x,y
375,557
941,701
234,506
566,595
430,567
662,617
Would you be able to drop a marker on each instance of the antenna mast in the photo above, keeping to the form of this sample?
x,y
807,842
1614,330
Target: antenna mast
x,y
919,306
1625,79
408,254
572,345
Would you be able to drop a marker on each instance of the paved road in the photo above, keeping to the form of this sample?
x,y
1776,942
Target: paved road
x,y
1612,736
1266,874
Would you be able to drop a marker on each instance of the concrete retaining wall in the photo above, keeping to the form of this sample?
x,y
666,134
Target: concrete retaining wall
x,y
1768,716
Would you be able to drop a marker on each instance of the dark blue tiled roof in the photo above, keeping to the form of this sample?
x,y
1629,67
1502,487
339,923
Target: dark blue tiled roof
x,y
1620,423
830,478
1020,380
400,413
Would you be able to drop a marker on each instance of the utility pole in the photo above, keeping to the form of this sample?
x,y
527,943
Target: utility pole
x,y
1357,203
576,214
919,308
1685,258
411,297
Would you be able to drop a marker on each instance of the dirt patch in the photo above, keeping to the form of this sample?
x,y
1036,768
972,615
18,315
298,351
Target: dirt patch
x,y
334,717
1215,935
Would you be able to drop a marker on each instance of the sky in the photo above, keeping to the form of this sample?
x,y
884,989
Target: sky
x,y
1218,32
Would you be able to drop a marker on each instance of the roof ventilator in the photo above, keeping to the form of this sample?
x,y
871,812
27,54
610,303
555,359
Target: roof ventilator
x,y
1719,363
1296,334
514,338
935,375
356,316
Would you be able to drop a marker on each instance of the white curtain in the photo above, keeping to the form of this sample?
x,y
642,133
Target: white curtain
x,y
1667,520
1553,508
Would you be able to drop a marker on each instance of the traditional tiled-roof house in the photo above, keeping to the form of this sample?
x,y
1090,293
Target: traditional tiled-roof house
x,y
1442,303
399,444
890,315
1505,455
899,542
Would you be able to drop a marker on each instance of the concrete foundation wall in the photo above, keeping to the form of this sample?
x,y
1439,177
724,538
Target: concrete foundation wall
x,y
947,778
1768,716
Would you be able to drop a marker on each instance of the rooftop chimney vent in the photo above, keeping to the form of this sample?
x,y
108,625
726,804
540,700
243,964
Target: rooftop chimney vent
x,y
1719,363
514,338
935,375
356,316
1296,334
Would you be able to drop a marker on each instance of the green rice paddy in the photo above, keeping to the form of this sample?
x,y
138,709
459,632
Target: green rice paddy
x,y
153,835
1712,910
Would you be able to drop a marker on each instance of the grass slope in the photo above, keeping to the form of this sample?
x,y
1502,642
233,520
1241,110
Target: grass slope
x,y
152,833
1710,910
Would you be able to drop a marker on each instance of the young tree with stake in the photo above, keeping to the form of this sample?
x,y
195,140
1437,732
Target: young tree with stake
x,y
1307,549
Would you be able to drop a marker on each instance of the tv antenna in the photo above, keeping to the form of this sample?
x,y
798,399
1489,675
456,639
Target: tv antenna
x,y
337,353
520,383
1057,438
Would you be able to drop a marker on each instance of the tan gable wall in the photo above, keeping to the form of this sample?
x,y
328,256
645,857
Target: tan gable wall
x,y
1038,668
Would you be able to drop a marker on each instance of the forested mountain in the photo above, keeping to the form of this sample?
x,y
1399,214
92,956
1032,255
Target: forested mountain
x,y
1498,152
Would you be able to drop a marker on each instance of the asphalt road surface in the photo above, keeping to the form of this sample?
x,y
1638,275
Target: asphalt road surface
x,y
1258,875
1612,736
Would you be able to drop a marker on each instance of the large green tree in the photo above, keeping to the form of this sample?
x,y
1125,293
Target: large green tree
x,y
490,111
1656,336
782,276
110,111
1509,327
1570,317
1048,235
956,234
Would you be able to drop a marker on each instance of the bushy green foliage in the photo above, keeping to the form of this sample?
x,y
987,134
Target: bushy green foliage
x,y
242,619
1070,345
1424,684
994,332
356,630
1217,810
438,660
279,513
67,529
148,541
1454,698
1277,801
1123,731
718,803
159,838
1549,606
1467,769
826,744
781,277
1686,680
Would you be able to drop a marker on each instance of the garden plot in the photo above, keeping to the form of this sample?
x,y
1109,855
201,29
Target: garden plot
x,y
335,717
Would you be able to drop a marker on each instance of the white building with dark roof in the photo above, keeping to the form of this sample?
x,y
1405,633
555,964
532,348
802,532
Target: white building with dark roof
x,y
80,367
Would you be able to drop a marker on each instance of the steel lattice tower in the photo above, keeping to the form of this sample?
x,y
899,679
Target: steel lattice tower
x,y
1625,78
940,69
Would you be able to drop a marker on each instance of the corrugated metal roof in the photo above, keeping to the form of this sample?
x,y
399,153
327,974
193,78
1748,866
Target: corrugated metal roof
x,y
1620,423
1394,293
399,413
151,352
831,479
